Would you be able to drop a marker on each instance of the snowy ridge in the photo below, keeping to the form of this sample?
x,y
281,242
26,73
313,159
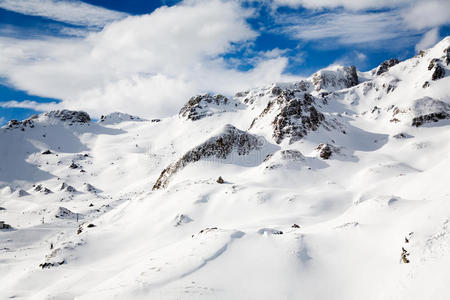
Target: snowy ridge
x,y
334,187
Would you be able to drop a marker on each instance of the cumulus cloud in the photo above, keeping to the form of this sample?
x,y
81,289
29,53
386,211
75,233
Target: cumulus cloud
x,y
147,65
72,12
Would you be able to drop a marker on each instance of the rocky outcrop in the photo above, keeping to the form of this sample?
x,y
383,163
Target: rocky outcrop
x,y
429,110
229,140
296,115
325,151
430,118
386,65
439,71
68,115
64,213
14,124
206,105
335,79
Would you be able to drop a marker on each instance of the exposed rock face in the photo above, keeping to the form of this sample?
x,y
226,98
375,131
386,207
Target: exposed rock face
x,y
220,147
68,188
69,115
428,110
297,115
336,79
22,124
439,71
385,65
206,105
64,213
430,118
326,150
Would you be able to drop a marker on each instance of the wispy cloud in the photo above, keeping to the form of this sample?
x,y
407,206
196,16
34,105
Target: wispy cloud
x,y
347,27
38,106
429,39
72,12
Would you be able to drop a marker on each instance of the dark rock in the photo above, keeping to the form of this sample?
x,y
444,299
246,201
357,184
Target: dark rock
x,y
429,118
439,72
295,226
197,107
344,77
91,205
46,191
385,65
73,165
69,115
47,152
48,265
426,84
3,225
156,120
220,146
220,180
297,116
432,63
403,135
90,225
326,150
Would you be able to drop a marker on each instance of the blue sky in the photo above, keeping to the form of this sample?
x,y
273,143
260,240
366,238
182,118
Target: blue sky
x,y
147,57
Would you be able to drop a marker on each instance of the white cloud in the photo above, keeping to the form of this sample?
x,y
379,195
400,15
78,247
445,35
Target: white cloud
x,y
429,39
147,65
72,12
2,121
348,27
426,14
30,105
356,21
349,4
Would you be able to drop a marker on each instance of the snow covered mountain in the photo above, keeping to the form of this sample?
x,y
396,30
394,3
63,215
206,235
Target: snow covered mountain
x,y
334,187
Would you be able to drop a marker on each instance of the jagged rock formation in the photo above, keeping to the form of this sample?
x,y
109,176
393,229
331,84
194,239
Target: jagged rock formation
x,y
220,146
385,65
428,110
61,115
326,150
69,115
206,105
64,213
296,115
68,188
335,78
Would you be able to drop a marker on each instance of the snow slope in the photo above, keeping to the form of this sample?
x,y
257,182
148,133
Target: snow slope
x,y
335,187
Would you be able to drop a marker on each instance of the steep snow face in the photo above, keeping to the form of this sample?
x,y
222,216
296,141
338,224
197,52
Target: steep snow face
x,y
334,187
